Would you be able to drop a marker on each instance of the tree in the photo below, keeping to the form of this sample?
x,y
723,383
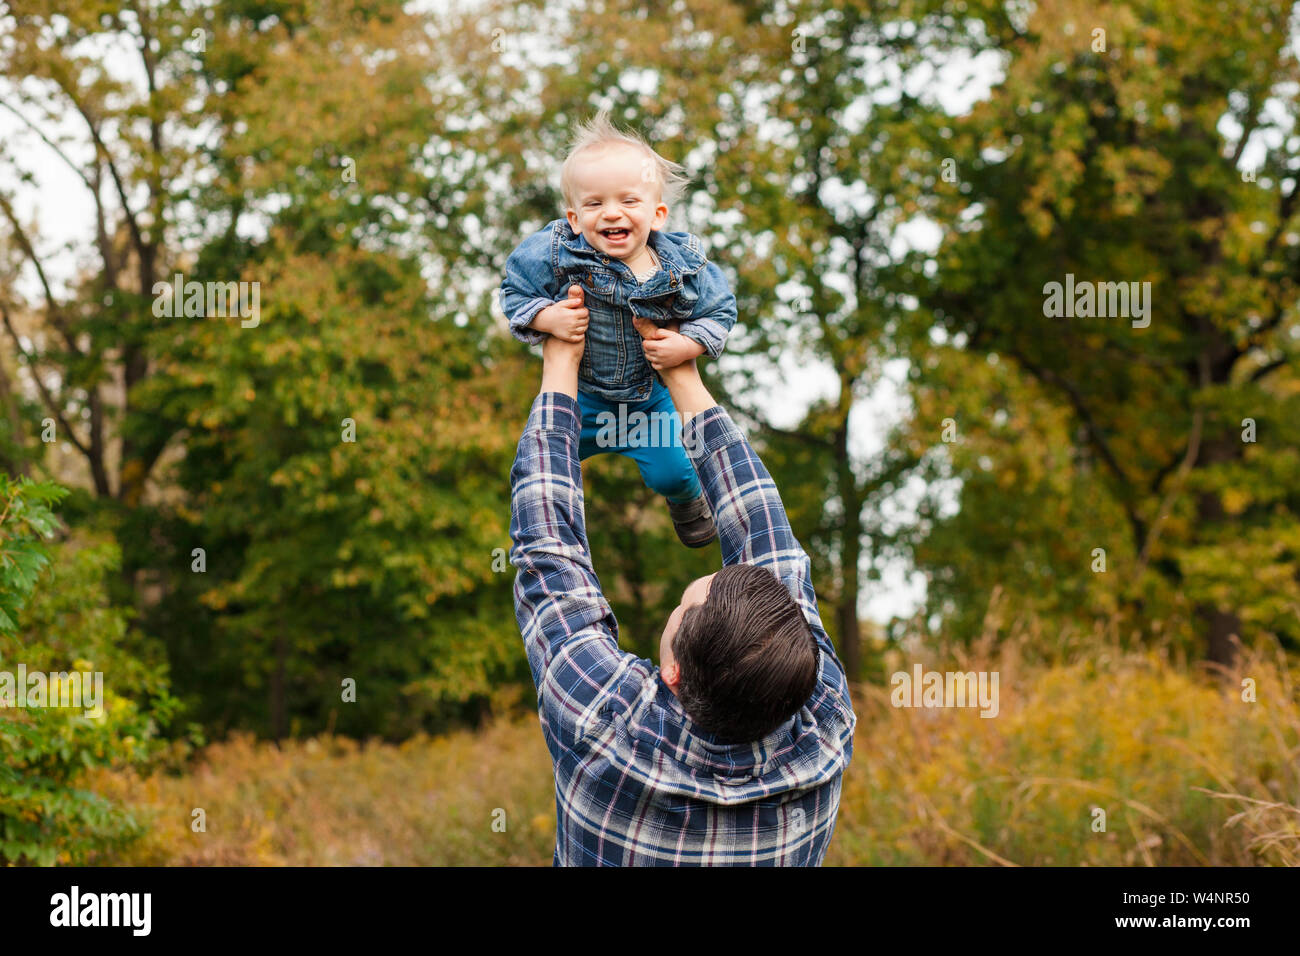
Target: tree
x,y
304,154
345,458
1116,157
125,147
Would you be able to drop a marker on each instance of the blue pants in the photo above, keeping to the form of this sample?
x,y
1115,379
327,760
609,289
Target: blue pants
x,y
643,437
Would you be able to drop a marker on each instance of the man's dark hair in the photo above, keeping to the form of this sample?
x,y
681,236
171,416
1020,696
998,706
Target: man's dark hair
x,y
747,655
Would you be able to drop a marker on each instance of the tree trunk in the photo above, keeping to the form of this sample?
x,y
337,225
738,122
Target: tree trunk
x,y
1218,624
20,465
279,722
1219,627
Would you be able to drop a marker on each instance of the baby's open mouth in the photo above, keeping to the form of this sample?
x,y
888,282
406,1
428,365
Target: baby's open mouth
x,y
615,235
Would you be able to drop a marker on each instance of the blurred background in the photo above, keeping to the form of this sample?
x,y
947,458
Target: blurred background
x,y
281,534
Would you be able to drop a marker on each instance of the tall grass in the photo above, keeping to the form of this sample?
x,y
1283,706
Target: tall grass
x,y
468,798
1185,770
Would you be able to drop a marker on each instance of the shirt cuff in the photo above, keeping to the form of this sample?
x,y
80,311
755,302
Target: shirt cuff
x,y
709,431
555,411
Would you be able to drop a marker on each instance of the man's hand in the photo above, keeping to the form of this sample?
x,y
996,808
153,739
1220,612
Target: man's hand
x,y
561,358
565,320
666,347
689,395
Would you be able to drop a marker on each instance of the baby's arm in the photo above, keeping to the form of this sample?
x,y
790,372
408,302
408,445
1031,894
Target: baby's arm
x,y
714,314
524,290
565,320
528,295
665,347
704,332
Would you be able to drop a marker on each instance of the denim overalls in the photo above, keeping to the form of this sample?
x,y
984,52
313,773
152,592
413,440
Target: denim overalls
x,y
687,289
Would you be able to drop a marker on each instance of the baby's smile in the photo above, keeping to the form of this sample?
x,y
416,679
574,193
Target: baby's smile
x,y
616,235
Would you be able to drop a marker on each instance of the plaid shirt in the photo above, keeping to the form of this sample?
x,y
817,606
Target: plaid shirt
x,y
636,782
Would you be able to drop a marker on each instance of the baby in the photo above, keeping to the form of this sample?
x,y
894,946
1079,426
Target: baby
x,y
605,272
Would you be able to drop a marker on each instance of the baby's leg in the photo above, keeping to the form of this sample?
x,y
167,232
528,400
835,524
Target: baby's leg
x,y
661,456
591,407
649,433
667,471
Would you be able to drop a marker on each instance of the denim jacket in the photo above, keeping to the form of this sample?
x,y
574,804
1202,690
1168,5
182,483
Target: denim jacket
x,y
688,289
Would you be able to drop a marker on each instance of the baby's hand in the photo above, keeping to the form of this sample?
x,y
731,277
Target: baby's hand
x,y
666,347
565,320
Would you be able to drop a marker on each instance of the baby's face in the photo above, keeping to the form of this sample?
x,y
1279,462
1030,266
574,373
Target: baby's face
x,y
618,199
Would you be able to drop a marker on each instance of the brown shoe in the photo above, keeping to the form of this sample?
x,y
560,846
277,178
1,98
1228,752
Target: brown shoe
x,y
693,522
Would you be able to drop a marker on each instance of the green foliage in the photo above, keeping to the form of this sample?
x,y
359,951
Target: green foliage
x,y
26,522
1123,165
346,459
1013,502
47,816
343,478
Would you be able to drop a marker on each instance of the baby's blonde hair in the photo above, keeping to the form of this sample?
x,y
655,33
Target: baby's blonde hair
x,y
600,131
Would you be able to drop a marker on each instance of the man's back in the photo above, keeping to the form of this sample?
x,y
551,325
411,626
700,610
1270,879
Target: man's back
x,y
637,782
646,787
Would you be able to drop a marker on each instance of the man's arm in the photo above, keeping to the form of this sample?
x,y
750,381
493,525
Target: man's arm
x,y
568,628
752,524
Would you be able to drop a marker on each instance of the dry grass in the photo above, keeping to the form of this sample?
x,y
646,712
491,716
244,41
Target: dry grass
x,y
332,802
1185,770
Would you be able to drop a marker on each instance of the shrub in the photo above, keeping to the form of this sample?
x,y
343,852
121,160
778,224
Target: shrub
x,y
55,618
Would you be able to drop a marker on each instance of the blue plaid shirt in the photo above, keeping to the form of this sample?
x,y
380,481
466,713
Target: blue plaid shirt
x,y
636,782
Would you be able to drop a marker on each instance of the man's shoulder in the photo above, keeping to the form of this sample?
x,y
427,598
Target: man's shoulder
x,y
649,736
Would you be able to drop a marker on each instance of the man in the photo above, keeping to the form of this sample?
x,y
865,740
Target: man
x,y
732,750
